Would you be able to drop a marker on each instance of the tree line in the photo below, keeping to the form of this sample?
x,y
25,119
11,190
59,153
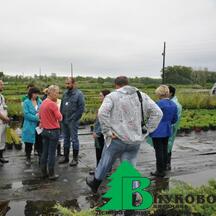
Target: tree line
x,y
176,74
187,75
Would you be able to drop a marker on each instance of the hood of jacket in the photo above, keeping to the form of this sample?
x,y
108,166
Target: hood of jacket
x,y
128,90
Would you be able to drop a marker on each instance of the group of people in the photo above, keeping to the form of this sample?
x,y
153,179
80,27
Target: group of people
x,y
48,118
43,121
126,118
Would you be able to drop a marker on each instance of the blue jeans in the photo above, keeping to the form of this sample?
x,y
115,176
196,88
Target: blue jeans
x,y
50,140
70,134
117,149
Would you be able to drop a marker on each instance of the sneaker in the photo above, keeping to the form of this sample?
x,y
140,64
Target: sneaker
x,y
64,161
28,162
91,172
52,175
2,160
74,162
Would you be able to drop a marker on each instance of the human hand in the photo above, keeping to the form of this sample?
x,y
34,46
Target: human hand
x,y
94,135
114,136
6,120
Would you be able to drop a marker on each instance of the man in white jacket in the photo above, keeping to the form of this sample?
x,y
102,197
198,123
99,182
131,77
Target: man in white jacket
x,y
120,117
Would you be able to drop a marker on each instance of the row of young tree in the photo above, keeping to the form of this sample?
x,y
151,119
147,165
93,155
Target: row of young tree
x,y
187,75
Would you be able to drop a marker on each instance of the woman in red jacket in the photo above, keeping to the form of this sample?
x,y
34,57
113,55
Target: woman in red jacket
x,y
50,117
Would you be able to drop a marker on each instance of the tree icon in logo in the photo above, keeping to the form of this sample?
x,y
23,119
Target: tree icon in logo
x,y
126,181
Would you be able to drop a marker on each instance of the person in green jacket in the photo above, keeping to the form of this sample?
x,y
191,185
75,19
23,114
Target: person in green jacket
x,y
175,126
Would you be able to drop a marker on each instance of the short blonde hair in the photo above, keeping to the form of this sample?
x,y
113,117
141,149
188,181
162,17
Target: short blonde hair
x,y
162,91
52,88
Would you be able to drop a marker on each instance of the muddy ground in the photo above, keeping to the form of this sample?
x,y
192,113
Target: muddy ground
x,y
22,192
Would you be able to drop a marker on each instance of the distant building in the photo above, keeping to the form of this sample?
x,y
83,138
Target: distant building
x,y
213,90
53,75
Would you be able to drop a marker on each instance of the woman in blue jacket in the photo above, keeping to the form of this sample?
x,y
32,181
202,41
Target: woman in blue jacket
x,y
161,135
97,134
30,110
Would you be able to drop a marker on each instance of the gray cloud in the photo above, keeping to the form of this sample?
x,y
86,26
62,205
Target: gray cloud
x,y
105,38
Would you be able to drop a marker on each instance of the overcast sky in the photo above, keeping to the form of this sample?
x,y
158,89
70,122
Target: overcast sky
x,y
105,37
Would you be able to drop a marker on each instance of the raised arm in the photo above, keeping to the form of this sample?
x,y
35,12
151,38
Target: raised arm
x,y
27,114
152,112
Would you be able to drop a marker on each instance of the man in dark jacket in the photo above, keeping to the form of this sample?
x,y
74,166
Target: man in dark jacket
x,y
72,108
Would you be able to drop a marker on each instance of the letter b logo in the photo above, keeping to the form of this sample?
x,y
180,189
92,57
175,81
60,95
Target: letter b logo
x,y
136,185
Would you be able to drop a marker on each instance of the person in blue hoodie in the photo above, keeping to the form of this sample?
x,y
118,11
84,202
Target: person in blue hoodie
x,y
161,135
30,113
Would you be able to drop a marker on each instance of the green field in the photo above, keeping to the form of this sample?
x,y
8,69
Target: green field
x,y
199,108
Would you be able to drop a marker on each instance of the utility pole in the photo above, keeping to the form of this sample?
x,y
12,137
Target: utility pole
x,y
163,70
40,71
71,70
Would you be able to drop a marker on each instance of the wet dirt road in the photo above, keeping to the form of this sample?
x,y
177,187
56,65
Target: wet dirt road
x,y
22,190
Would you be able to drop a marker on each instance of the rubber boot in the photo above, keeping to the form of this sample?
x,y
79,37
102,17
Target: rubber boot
x,y
74,161
93,183
2,160
52,175
66,156
28,150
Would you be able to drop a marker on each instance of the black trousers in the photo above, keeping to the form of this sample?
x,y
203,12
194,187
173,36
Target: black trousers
x,y
28,149
169,158
38,144
160,146
99,149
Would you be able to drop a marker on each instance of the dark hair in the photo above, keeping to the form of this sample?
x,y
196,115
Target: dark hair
x,y
121,81
31,85
32,91
71,79
172,90
105,92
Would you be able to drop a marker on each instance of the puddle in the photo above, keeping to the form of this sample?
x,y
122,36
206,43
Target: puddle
x,y
17,185
195,178
193,161
34,208
28,170
32,181
6,187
